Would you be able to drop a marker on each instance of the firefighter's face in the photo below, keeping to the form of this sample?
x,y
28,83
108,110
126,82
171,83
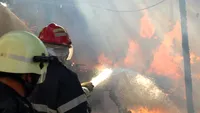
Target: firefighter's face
x,y
30,81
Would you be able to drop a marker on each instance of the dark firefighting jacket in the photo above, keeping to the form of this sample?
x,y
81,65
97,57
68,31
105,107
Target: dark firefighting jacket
x,y
12,102
61,92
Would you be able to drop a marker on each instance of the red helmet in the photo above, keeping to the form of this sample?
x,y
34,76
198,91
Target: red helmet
x,y
55,34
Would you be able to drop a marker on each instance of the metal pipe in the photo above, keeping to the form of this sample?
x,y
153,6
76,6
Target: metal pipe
x,y
186,56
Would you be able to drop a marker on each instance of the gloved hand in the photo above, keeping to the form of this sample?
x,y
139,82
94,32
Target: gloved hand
x,y
88,85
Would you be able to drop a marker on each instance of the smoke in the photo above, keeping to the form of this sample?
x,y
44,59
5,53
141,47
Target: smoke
x,y
9,21
147,41
4,4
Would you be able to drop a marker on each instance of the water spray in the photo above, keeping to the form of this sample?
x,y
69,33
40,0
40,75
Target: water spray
x,y
105,74
89,86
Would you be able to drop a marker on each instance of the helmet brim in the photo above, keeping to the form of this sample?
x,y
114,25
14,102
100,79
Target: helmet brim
x,y
71,51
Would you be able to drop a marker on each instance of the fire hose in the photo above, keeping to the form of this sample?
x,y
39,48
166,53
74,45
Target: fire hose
x,y
89,86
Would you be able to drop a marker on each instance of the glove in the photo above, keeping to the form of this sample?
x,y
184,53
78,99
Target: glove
x,y
88,85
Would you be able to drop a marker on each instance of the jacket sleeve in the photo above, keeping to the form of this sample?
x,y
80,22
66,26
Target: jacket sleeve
x,y
71,98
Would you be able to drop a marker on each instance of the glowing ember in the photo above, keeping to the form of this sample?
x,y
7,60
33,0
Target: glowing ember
x,y
105,74
147,29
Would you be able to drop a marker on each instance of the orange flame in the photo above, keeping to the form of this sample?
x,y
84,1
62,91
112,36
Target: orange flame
x,y
166,60
100,67
132,51
165,64
147,29
134,56
146,110
104,60
194,58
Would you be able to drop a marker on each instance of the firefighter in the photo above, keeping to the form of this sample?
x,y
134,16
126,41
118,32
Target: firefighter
x,y
61,91
21,68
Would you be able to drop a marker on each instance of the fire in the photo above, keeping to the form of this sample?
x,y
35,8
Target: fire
x,y
194,58
102,59
174,34
165,64
133,59
166,60
147,29
99,67
146,110
167,57
134,56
